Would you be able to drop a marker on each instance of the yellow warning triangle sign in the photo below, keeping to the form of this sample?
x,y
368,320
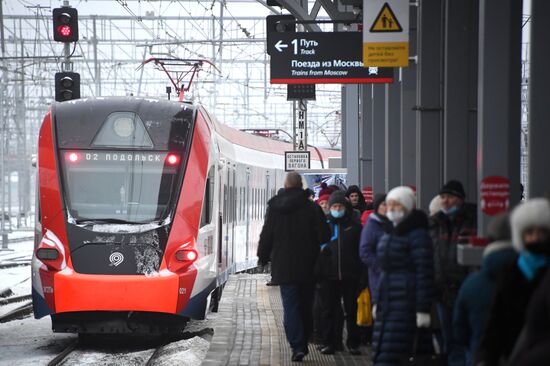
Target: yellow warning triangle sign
x,y
386,21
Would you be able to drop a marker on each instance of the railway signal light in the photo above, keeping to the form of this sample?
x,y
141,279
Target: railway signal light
x,y
67,86
65,24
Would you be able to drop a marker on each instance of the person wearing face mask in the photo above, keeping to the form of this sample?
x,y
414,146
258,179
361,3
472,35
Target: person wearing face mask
x,y
405,288
530,224
455,222
341,276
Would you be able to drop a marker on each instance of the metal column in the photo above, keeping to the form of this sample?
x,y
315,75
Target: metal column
x,y
428,117
460,124
392,122
350,132
378,139
539,126
499,98
408,115
365,133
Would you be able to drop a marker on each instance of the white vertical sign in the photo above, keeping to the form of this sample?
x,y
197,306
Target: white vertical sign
x,y
386,33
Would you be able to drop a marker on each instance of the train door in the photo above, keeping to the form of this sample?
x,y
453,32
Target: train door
x,y
247,213
227,197
233,211
222,216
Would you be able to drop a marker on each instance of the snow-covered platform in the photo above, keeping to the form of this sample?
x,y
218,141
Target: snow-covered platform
x,y
249,329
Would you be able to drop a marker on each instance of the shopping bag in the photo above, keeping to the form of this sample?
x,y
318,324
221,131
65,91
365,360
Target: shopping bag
x,y
364,309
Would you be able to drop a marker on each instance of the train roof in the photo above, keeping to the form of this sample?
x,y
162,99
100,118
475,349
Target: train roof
x,y
234,136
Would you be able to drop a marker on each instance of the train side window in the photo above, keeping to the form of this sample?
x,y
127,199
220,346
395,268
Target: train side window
x,y
208,201
254,200
231,203
224,204
241,207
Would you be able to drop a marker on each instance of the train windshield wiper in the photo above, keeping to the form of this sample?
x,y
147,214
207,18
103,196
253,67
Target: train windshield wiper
x,y
108,221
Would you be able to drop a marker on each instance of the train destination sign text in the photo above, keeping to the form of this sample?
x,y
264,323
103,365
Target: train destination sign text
x,y
321,58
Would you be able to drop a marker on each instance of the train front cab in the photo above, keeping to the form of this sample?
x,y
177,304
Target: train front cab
x,y
88,273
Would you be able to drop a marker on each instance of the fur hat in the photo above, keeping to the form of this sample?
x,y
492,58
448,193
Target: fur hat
x,y
455,188
435,205
404,195
337,197
533,213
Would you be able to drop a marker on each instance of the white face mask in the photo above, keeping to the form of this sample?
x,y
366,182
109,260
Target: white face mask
x,y
395,216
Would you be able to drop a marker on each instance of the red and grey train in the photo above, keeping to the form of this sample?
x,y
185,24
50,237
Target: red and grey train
x,y
144,207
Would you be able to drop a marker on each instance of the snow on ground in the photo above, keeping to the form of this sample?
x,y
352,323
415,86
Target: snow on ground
x,y
187,352
17,251
16,278
31,342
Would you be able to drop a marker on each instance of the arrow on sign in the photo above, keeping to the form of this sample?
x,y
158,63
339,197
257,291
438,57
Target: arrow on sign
x,y
280,46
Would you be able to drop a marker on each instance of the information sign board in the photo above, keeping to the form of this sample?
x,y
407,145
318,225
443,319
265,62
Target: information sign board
x,y
321,58
297,160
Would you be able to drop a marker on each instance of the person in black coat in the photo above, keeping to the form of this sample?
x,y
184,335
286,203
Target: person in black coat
x,y
340,274
455,222
530,224
293,231
405,292
535,348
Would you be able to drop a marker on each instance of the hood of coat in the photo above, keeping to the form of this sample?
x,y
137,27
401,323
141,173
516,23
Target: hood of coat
x,y
533,213
288,201
496,256
380,220
415,220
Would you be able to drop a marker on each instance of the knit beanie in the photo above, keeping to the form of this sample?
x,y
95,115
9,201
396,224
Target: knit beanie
x,y
324,197
404,195
533,213
454,188
378,200
337,197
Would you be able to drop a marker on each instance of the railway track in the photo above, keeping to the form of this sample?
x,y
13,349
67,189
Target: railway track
x,y
15,264
11,300
83,344
64,354
17,313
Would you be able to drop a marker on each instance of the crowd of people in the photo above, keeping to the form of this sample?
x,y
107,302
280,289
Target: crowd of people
x,y
326,251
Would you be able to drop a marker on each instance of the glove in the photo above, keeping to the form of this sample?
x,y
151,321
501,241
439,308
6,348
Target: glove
x,y
423,320
325,249
374,312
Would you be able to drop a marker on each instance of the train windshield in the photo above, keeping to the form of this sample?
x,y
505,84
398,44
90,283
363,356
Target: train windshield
x,y
122,159
120,186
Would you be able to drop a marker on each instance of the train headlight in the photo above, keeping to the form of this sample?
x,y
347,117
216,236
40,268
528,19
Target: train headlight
x,y
188,255
48,254
124,126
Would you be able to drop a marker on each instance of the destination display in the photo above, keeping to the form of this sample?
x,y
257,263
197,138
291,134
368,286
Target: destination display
x,y
321,58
